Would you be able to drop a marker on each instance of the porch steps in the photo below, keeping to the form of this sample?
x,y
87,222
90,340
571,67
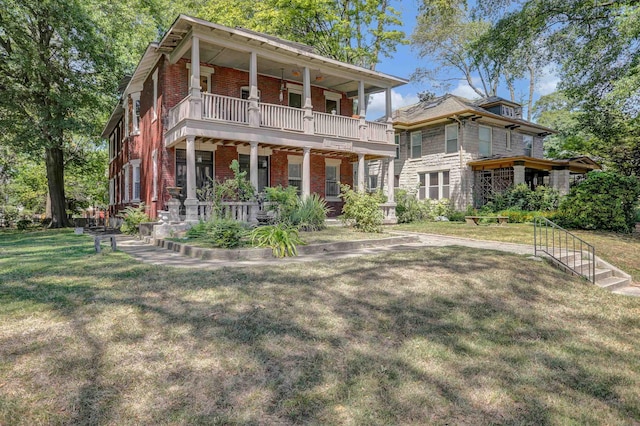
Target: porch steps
x,y
607,276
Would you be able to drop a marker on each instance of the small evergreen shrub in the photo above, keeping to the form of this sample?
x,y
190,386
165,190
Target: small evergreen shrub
x,y
362,210
521,197
223,233
604,201
281,238
410,209
23,224
132,217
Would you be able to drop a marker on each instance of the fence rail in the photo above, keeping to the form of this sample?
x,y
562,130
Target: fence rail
x,y
570,251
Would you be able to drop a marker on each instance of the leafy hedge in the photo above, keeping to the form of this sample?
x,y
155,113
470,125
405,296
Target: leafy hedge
x,y
604,200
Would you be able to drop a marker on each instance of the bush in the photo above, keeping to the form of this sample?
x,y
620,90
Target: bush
x,y
237,188
223,233
410,209
281,238
23,224
132,217
310,214
285,202
521,197
604,201
362,209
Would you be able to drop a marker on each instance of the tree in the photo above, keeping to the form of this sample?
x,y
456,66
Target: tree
x,y
55,74
596,45
354,31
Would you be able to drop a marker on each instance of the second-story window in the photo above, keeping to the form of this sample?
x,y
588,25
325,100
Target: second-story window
x,y
451,143
295,99
155,94
416,144
528,145
484,141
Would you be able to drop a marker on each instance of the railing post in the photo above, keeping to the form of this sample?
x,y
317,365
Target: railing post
x,y
308,124
254,108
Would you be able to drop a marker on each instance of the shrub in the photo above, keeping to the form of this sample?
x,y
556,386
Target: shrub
x,y
310,214
285,201
409,208
223,233
23,224
281,238
132,217
362,209
237,188
604,200
441,208
521,197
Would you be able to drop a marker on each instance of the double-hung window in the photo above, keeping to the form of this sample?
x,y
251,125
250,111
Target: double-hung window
x,y
528,145
295,173
397,141
451,135
434,185
136,180
416,144
484,141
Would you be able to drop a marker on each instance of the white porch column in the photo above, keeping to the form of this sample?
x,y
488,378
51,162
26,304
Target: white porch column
x,y
194,85
518,173
362,112
307,105
306,172
391,178
191,203
254,108
388,113
361,186
253,165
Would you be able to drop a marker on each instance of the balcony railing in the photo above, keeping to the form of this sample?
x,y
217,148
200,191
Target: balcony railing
x,y
236,110
281,117
335,125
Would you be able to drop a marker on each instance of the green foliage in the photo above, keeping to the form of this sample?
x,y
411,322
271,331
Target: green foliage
x,y
284,201
281,238
311,214
525,216
410,209
23,224
362,209
223,233
132,217
521,197
604,201
237,188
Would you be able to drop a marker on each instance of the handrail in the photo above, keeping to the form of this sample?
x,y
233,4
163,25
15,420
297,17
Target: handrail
x,y
572,256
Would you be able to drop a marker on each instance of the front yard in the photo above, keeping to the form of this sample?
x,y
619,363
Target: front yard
x,y
444,336
620,250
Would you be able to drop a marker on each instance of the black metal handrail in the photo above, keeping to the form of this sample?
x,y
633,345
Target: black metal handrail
x,y
565,248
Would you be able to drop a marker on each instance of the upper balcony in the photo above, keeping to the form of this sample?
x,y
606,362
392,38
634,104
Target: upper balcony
x,y
252,85
236,111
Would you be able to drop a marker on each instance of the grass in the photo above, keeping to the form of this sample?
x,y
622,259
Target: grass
x,y
621,250
432,336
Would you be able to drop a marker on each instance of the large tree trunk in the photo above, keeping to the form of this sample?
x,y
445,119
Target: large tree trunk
x,y
55,178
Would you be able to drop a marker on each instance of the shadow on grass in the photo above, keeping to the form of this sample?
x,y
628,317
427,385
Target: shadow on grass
x,y
428,336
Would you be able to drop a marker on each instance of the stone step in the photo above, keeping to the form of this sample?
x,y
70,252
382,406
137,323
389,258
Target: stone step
x,y
603,273
613,283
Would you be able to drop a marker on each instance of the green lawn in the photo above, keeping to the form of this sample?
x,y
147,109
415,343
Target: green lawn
x,y
432,336
620,250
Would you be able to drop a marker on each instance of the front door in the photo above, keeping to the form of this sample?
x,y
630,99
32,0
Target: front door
x,y
263,169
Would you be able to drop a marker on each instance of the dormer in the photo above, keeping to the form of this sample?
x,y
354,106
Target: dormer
x,y
500,106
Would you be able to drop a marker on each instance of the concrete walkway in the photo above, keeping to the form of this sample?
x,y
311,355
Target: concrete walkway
x,y
150,254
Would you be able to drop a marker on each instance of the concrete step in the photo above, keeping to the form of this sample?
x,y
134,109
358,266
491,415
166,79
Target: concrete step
x,y
613,283
603,273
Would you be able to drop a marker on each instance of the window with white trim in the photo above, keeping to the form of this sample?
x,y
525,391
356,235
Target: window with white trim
x,y
484,141
136,180
451,139
155,94
373,182
332,102
331,179
434,185
295,172
416,144
528,145
245,92
126,183
154,159
397,141
135,99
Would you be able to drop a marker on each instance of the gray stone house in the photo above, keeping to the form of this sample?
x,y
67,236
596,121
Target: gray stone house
x,y
467,151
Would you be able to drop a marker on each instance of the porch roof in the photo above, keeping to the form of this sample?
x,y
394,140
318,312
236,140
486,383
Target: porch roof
x,y
575,165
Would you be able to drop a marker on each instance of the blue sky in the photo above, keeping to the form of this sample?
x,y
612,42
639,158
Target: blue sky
x,y
405,60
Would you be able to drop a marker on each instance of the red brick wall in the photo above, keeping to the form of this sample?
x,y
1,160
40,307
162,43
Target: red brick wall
x,y
279,168
223,157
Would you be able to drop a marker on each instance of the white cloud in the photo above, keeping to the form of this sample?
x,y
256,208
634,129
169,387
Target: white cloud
x,y
547,82
377,103
464,90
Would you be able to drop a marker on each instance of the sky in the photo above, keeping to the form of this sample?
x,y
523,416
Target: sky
x,y
405,60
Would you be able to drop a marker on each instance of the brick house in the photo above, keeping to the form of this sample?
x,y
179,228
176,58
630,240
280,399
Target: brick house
x,y
467,151
288,115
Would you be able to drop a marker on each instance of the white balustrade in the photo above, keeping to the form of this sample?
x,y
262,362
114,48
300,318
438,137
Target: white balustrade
x,y
281,117
377,131
179,112
335,125
243,211
225,108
